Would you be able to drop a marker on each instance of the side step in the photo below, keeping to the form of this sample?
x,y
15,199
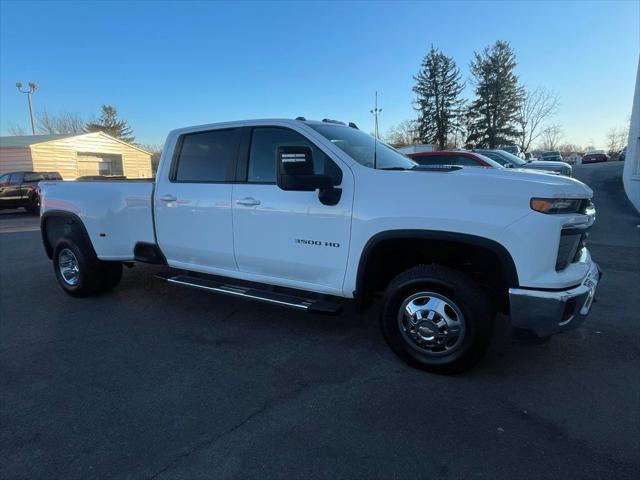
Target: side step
x,y
293,301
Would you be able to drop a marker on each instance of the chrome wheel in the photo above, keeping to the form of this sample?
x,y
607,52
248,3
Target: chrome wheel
x,y
432,323
69,267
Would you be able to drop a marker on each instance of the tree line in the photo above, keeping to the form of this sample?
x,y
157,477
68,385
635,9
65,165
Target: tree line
x,y
108,122
65,122
502,112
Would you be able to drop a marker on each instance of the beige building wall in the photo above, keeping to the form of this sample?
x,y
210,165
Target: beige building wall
x,y
62,156
15,159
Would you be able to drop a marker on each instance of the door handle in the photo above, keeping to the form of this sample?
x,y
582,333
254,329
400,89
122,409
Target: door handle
x,y
248,202
168,198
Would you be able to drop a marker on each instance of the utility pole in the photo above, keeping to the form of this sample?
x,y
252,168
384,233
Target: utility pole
x,y
32,88
376,111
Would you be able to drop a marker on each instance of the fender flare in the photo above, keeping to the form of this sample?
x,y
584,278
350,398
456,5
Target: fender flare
x,y
509,271
66,215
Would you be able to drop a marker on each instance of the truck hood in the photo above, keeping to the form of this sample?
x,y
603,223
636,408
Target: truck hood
x,y
535,183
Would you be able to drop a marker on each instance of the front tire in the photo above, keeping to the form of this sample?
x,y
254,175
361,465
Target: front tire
x,y
437,319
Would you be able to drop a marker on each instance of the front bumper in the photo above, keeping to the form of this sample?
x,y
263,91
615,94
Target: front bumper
x,y
544,313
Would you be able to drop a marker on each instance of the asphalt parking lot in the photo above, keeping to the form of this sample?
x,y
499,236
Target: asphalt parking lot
x,y
155,381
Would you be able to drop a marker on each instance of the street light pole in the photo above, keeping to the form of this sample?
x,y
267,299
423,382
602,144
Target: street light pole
x,y
32,88
376,111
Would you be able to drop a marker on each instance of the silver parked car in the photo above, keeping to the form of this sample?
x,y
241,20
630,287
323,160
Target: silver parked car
x,y
508,160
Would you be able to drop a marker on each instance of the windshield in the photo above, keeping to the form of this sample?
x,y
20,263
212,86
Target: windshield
x,y
490,161
503,157
362,147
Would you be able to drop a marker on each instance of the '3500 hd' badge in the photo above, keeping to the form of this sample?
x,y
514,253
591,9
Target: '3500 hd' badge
x,y
317,243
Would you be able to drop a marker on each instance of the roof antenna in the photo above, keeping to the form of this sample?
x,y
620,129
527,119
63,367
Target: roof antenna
x,y
376,111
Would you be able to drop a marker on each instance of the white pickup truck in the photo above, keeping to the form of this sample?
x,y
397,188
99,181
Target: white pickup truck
x,y
310,214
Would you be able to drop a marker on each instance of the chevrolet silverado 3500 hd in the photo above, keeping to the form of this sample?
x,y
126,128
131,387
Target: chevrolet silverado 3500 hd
x,y
307,214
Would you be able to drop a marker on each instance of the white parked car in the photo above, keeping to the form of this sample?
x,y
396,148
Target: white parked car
x,y
310,215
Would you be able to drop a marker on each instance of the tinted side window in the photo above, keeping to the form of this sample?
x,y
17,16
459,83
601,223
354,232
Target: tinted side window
x,y
15,178
4,178
264,146
208,156
433,160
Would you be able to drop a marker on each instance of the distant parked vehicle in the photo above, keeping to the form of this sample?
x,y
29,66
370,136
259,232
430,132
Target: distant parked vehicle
x,y
595,156
416,149
20,189
508,160
512,149
454,158
622,154
551,156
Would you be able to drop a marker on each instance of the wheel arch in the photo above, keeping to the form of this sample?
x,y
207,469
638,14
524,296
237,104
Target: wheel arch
x,y
55,224
406,248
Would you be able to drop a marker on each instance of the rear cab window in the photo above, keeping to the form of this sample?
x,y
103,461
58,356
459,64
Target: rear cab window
x,y
207,157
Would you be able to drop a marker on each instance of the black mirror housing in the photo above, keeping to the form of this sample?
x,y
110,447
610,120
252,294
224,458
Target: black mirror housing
x,y
295,170
295,161
295,173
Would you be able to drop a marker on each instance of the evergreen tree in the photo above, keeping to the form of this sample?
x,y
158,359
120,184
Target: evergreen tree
x,y
438,88
492,116
111,125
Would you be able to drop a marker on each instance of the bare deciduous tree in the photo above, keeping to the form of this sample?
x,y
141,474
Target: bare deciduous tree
x,y
404,133
569,148
17,130
64,122
616,139
156,150
537,107
551,137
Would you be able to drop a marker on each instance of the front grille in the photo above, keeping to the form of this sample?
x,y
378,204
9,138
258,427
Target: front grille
x,y
574,240
567,250
570,249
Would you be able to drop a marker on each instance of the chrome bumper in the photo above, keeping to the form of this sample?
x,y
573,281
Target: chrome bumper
x,y
545,313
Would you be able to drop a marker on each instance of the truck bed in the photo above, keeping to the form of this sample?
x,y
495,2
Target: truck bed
x,y
116,213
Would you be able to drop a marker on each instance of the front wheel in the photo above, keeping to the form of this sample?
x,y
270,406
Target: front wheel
x,y
437,319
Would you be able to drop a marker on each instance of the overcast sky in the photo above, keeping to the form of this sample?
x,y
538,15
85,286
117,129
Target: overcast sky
x,y
165,65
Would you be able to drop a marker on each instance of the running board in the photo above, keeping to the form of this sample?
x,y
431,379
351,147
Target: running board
x,y
251,293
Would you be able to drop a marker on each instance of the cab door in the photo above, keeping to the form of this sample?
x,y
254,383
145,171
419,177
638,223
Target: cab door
x,y
289,237
193,202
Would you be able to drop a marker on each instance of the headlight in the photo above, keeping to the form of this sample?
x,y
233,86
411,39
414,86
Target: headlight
x,y
556,205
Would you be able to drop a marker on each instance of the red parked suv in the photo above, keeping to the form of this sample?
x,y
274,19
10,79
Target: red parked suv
x,y
595,157
453,157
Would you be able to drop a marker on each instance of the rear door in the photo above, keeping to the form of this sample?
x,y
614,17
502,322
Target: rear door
x,y
193,202
287,237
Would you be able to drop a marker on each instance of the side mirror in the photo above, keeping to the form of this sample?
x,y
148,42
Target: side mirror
x,y
295,170
295,173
